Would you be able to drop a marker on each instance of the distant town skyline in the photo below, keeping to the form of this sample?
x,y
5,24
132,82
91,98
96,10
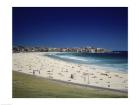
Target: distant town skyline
x,y
68,27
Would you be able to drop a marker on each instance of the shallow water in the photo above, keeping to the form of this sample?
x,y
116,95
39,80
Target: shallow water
x,y
108,61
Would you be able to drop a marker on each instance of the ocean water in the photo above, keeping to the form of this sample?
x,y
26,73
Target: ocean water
x,y
117,61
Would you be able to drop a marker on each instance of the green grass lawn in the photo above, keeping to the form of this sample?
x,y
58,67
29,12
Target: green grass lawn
x,y
28,86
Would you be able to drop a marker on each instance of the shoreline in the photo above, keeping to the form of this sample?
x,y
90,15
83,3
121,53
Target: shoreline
x,y
43,66
92,66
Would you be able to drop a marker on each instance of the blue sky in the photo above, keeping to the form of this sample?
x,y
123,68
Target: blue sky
x,y
105,27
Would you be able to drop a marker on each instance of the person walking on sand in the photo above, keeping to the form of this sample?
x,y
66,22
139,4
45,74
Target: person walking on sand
x,y
33,72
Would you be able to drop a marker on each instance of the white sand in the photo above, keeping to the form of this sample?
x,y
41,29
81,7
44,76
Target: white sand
x,y
37,64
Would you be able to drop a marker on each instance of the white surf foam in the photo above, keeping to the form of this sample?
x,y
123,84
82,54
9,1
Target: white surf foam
x,y
73,58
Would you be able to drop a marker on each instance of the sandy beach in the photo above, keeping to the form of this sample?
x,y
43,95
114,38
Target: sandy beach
x,y
40,65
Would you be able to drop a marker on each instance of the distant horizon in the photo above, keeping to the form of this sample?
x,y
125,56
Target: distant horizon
x,y
69,27
67,47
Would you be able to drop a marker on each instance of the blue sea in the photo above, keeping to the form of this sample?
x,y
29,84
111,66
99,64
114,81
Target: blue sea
x,y
116,61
